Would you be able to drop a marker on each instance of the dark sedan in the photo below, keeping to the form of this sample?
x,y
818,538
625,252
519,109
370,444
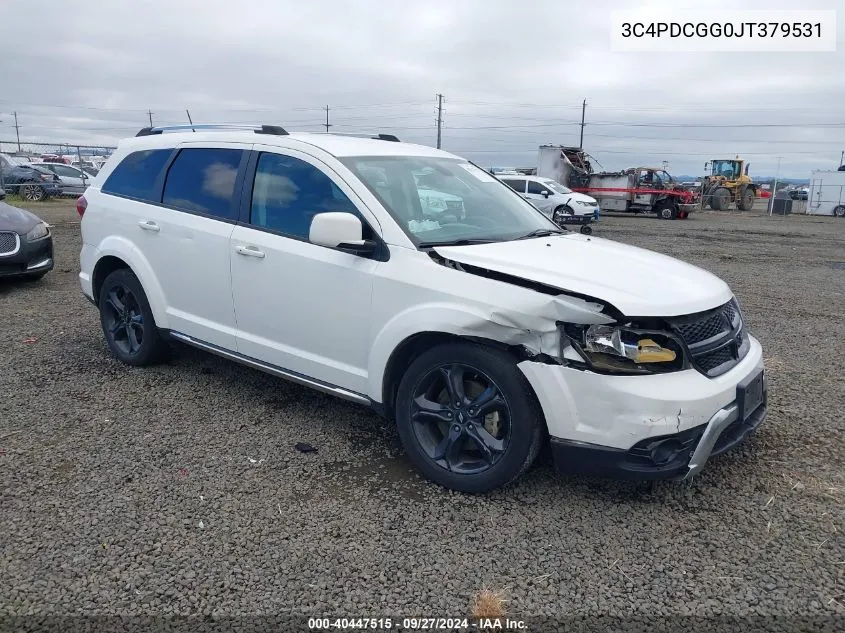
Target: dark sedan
x,y
26,245
31,182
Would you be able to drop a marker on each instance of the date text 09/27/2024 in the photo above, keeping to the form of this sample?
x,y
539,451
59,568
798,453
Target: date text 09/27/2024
x,y
416,624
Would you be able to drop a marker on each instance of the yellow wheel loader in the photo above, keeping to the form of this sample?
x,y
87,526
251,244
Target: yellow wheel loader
x,y
728,182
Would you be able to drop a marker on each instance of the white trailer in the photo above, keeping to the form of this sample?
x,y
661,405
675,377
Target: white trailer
x,y
827,193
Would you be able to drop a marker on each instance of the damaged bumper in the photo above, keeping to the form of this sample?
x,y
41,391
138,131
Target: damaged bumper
x,y
647,427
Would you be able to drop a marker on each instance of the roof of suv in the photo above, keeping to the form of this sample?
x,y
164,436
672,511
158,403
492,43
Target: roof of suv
x,y
334,144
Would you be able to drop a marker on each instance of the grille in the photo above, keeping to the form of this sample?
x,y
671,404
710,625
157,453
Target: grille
x,y
8,243
712,360
715,338
704,329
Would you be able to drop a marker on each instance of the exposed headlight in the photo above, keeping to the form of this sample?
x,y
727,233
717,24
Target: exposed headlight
x,y
38,232
586,204
626,349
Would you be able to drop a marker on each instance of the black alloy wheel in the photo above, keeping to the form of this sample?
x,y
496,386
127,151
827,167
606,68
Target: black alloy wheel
x,y
460,419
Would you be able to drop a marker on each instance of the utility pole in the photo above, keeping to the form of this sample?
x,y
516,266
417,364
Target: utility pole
x,y
439,117
150,114
842,158
583,112
188,112
327,124
17,131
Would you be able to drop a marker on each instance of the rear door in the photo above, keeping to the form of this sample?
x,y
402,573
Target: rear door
x,y
181,225
73,180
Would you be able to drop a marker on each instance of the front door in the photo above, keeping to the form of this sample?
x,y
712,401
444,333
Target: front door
x,y
301,307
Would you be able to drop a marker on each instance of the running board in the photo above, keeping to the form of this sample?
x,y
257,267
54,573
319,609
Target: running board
x,y
271,369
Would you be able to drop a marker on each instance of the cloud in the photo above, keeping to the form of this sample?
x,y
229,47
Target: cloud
x,y
514,76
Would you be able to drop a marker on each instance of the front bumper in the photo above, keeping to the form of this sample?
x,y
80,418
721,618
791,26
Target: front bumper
x,y
610,425
31,258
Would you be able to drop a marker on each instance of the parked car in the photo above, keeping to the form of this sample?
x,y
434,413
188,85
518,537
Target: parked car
x,y
33,182
799,194
557,202
26,245
308,256
74,180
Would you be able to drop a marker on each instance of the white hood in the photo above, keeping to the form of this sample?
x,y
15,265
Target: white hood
x,y
637,281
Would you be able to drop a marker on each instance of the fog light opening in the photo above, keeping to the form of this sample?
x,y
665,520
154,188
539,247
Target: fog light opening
x,y
666,451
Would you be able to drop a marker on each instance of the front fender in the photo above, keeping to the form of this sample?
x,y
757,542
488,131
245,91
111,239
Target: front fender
x,y
125,250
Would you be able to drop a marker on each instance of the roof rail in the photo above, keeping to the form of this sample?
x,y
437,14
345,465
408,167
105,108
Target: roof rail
x,y
380,137
258,129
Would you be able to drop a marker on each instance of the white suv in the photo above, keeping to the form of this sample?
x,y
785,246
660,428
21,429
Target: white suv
x,y
481,333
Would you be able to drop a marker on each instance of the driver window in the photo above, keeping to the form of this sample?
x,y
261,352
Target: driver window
x,y
287,193
536,188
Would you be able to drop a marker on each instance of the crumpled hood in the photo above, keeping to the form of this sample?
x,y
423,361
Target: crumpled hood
x,y
636,281
17,220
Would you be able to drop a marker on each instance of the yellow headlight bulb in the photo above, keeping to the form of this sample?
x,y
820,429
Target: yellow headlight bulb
x,y
650,352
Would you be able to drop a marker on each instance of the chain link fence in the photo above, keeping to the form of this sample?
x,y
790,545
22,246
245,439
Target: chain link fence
x,y
37,171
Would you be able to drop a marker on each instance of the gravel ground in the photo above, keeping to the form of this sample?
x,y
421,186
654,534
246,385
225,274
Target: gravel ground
x,y
177,490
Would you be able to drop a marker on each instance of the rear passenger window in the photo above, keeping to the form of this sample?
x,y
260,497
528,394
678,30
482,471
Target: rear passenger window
x,y
289,192
136,175
202,180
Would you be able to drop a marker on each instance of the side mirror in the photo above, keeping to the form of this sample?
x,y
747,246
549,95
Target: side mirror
x,y
546,193
339,230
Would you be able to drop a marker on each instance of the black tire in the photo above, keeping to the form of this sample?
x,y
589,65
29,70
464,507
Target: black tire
x,y
32,192
125,315
667,211
745,201
839,211
720,199
563,209
497,449
587,229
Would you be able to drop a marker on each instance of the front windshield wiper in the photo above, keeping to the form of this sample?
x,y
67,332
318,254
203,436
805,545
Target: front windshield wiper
x,y
541,233
461,242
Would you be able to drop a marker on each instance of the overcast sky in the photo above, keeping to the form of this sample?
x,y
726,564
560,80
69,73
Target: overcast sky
x,y
513,75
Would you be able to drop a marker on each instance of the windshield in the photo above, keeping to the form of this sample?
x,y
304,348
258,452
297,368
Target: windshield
x,y
726,168
447,201
556,186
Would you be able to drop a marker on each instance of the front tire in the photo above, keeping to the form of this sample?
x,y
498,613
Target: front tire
x,y
720,199
839,211
667,212
127,320
560,212
467,417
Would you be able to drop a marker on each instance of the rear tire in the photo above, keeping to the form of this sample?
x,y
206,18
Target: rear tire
x,y
746,199
127,320
467,417
32,193
839,211
587,229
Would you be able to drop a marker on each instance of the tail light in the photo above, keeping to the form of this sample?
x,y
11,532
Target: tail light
x,y
81,205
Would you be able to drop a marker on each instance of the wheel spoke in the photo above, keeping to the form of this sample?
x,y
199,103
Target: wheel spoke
x,y
487,401
489,445
429,411
114,301
447,449
134,344
116,327
453,376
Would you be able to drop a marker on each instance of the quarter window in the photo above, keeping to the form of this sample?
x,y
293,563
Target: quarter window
x,y
288,193
516,185
202,180
136,175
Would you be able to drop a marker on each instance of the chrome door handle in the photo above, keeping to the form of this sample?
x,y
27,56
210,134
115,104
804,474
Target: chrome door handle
x,y
250,251
149,225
